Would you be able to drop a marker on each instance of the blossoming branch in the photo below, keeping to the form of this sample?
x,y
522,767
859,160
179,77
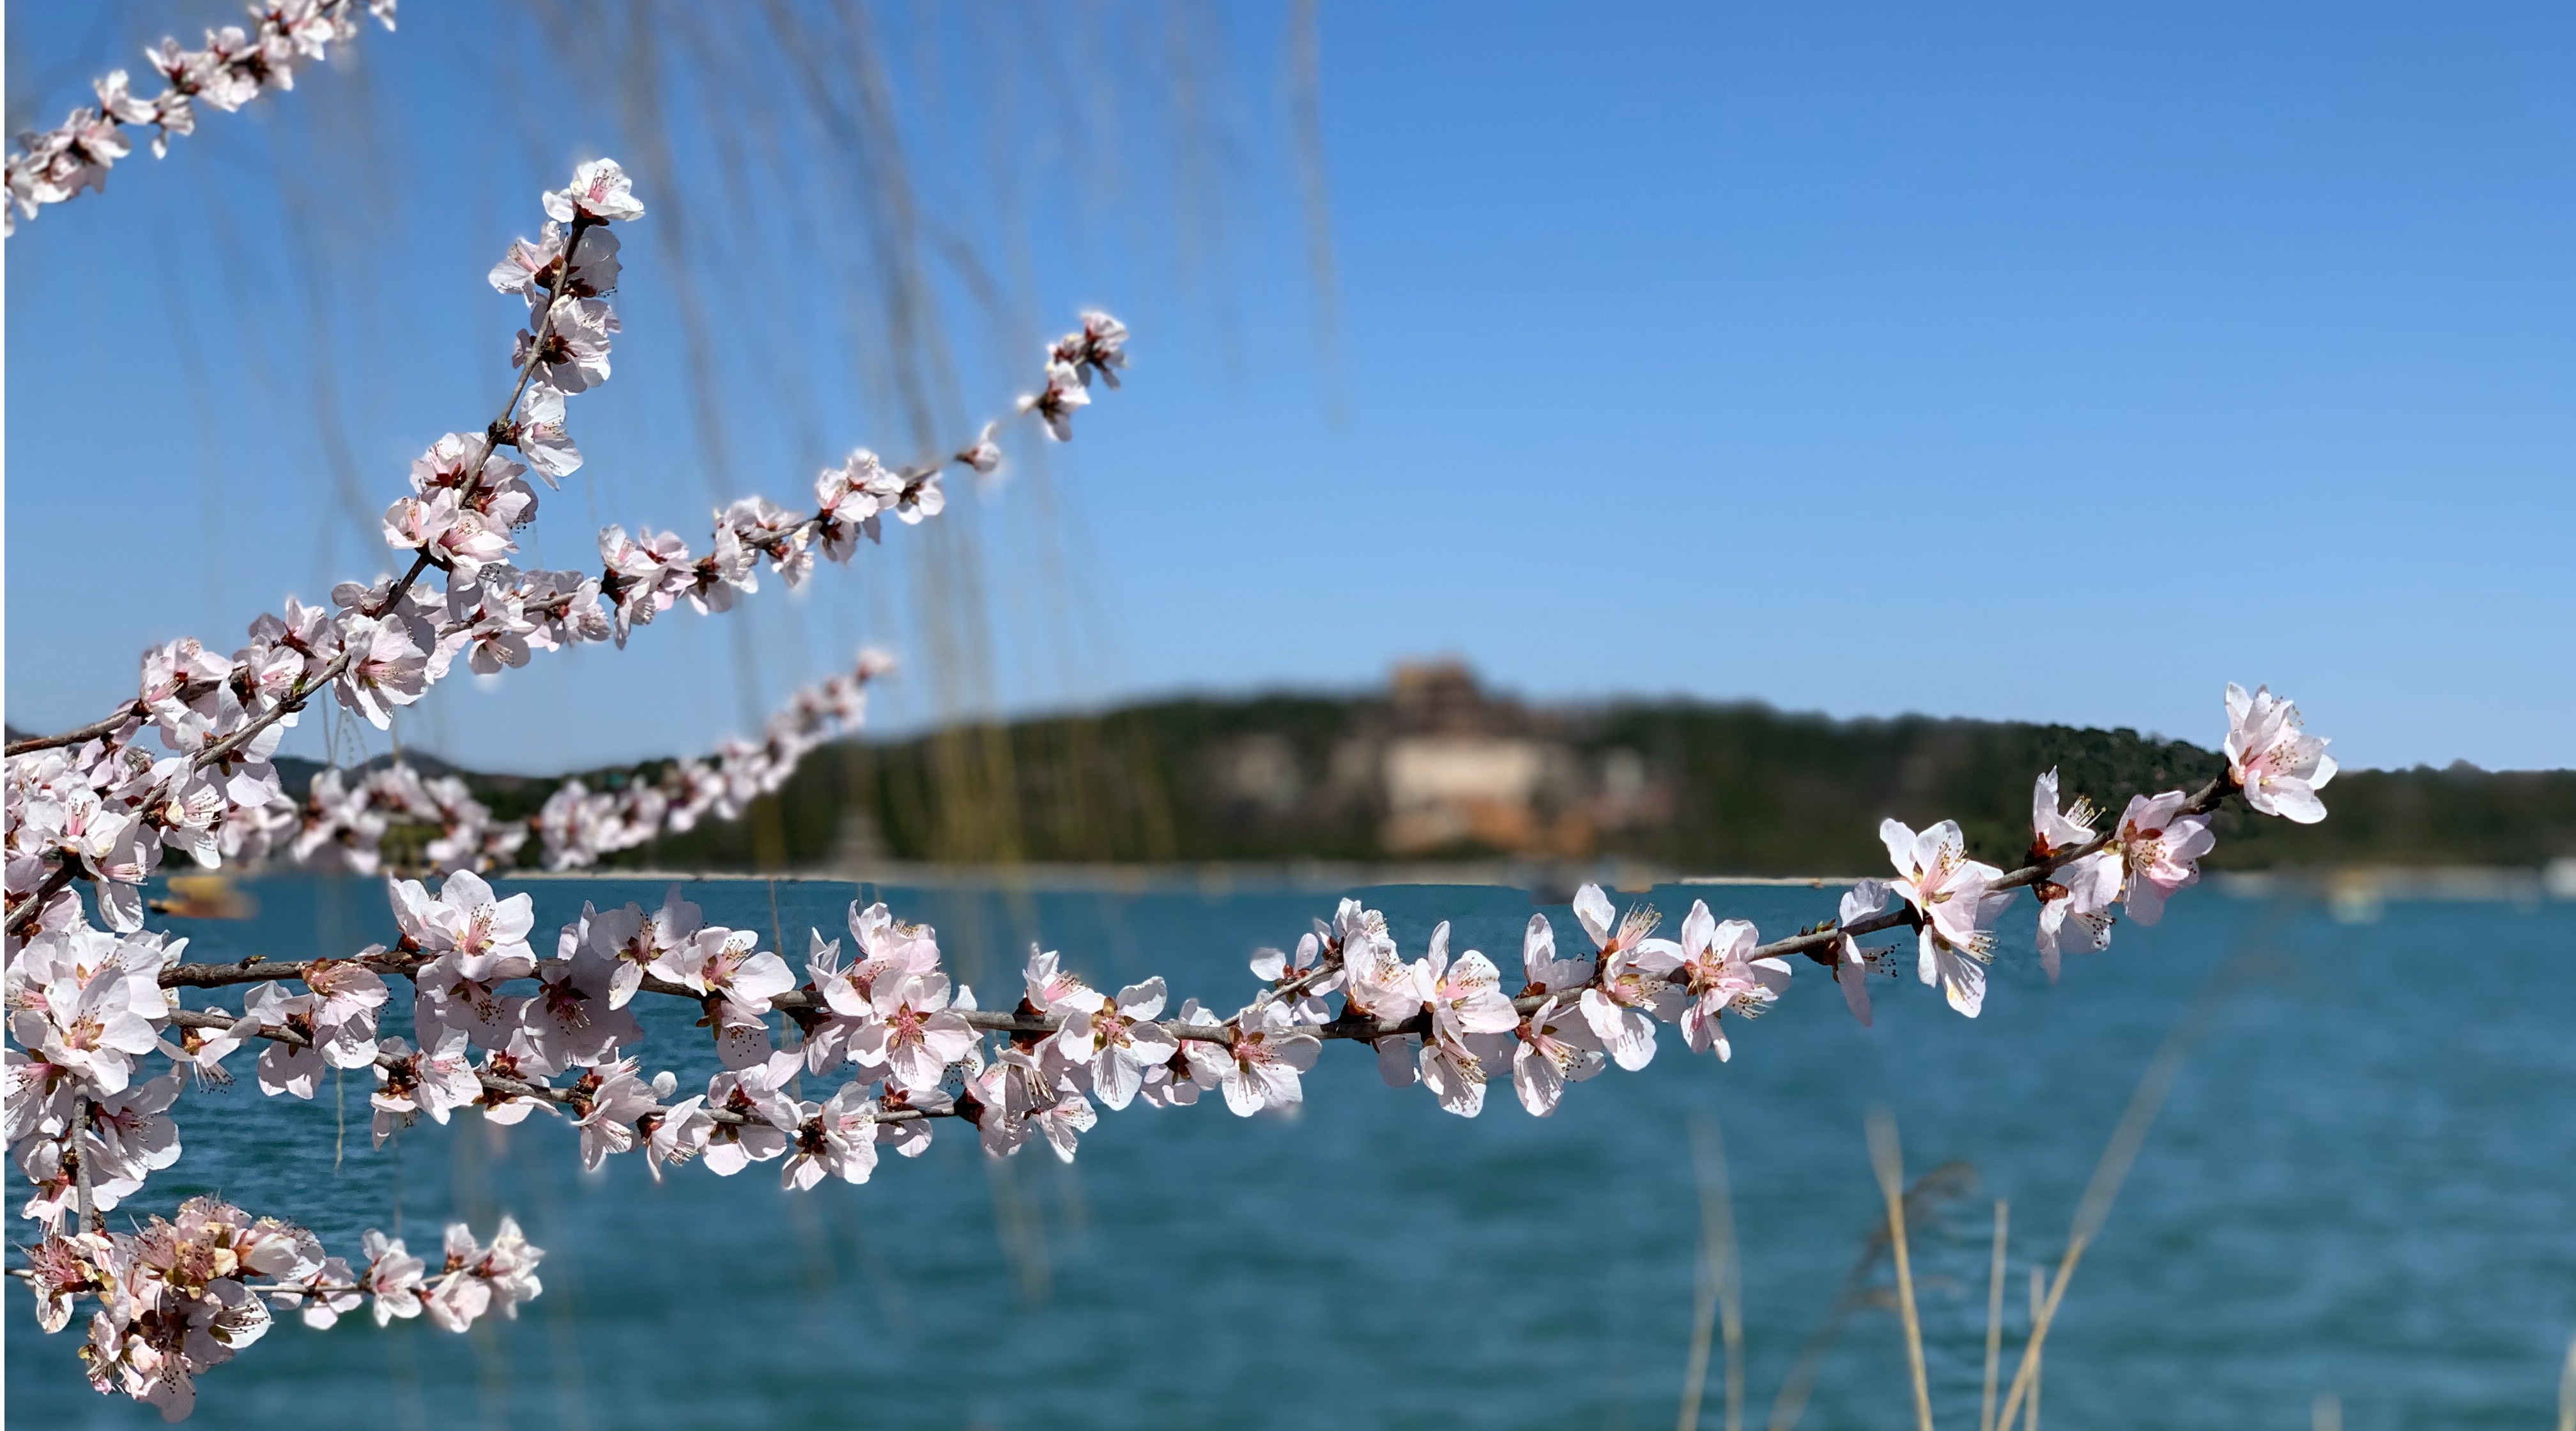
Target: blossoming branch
x,y
93,806
346,818
912,1047
55,166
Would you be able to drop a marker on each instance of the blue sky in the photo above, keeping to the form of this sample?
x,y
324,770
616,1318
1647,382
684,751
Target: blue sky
x,y
2035,362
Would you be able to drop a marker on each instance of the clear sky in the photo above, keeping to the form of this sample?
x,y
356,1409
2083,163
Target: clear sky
x,y
2040,362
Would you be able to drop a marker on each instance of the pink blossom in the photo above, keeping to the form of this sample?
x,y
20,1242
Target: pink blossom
x,y
1718,973
619,1100
1065,391
566,345
676,1134
388,670
2075,900
1098,350
633,941
2278,765
835,1138
392,1277
1852,963
1633,966
1556,1047
1117,1041
1545,973
599,189
1262,1064
2160,850
915,1036
1063,1122
728,965
1954,900
983,455
759,1096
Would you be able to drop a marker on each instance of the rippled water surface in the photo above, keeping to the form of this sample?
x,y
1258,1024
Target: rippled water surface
x,y
2364,1184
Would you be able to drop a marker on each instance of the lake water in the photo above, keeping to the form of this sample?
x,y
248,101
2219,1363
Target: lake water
x,y
2364,1184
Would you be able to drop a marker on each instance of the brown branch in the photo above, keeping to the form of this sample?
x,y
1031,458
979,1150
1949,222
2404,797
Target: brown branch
x,y
105,725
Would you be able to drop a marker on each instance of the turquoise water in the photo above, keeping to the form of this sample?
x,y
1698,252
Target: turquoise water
x,y
2364,1184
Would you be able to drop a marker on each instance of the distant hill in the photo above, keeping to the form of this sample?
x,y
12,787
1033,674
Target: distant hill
x,y
1434,768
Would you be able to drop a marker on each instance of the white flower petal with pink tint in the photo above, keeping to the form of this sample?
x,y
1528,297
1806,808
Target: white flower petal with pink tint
x,y
2160,850
2278,765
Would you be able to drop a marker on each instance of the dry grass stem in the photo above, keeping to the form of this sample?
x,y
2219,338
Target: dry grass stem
x,y
2567,1390
1994,1317
1720,1303
2038,1281
1887,1159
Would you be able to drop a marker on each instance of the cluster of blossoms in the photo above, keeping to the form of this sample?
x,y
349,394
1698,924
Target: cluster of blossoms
x,y
229,72
87,1008
184,1294
97,805
346,817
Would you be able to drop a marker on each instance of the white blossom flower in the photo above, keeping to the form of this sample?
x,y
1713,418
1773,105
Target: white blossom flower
x,y
1052,989
1556,1047
618,1101
915,1036
573,1020
129,1136
2278,765
759,1096
835,1138
2160,849
1717,974
1262,1064
286,1068
392,1277
1063,1122
2075,900
1633,969
1545,973
566,345
1118,1040
984,455
677,1133
541,437
1852,963
389,668
1099,349
599,189
1379,984
346,996
728,965
633,941
1065,391
1954,898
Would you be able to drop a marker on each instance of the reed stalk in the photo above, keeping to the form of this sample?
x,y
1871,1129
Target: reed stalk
x,y
1887,1159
